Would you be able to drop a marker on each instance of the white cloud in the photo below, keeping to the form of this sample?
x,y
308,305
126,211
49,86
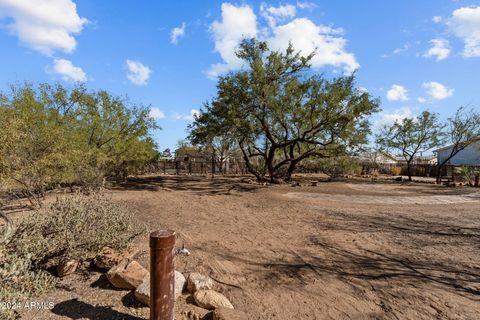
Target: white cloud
x,y
237,24
68,71
437,91
138,73
465,24
306,5
177,33
275,14
397,93
437,19
189,117
422,100
388,118
240,22
44,25
308,37
156,113
405,47
440,49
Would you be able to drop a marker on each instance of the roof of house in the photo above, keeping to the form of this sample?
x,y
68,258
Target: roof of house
x,y
449,146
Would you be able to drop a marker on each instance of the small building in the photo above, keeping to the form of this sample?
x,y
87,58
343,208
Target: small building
x,y
470,156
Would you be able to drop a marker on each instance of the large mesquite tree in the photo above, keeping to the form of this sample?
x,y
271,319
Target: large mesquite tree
x,y
280,113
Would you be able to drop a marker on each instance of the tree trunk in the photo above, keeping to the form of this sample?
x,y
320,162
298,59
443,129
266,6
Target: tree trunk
x,y
409,171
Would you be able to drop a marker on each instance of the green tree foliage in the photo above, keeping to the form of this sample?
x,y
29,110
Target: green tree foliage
x,y
462,130
411,136
50,135
279,113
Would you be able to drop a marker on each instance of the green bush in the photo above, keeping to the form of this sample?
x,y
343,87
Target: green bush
x,y
338,166
468,174
72,227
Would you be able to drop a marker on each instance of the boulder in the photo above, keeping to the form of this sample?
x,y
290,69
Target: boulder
x,y
142,293
179,283
229,314
211,299
197,281
127,274
108,258
67,267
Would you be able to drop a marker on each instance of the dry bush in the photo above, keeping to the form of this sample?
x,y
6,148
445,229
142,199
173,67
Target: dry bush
x,y
18,278
395,171
72,227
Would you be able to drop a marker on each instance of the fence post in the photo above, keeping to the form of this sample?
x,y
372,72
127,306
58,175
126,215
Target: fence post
x,y
162,275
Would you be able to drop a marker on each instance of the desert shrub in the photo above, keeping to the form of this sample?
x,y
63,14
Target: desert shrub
x,y
395,171
468,174
73,227
339,165
18,278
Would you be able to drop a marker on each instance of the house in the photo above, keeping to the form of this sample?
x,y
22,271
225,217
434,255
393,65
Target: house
x,y
376,157
470,156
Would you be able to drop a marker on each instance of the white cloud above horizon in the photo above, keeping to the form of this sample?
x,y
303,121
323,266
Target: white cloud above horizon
x,y
156,113
240,22
137,72
397,93
68,71
465,24
237,24
386,118
189,117
177,33
440,49
47,26
273,15
437,91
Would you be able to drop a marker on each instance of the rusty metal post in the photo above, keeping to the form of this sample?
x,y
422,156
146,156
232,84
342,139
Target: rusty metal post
x,y
162,275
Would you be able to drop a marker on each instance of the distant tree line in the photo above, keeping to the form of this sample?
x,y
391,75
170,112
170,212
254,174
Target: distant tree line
x,y
51,135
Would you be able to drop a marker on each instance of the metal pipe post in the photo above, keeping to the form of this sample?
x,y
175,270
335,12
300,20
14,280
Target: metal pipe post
x,y
162,275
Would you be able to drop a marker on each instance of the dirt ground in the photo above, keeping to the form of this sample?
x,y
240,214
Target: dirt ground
x,y
340,250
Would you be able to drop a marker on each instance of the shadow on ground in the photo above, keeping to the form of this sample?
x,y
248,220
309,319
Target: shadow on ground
x,y
405,267
75,309
197,184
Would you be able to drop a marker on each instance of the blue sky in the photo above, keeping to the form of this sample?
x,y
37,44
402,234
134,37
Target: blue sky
x,y
413,55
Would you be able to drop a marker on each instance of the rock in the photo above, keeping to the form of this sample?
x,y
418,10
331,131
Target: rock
x,y
108,258
127,275
67,267
295,184
211,299
197,281
229,314
142,293
398,179
314,183
179,283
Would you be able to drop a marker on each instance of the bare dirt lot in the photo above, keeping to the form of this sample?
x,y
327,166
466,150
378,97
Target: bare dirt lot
x,y
340,250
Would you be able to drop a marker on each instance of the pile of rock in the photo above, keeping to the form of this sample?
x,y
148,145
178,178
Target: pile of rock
x,y
126,273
